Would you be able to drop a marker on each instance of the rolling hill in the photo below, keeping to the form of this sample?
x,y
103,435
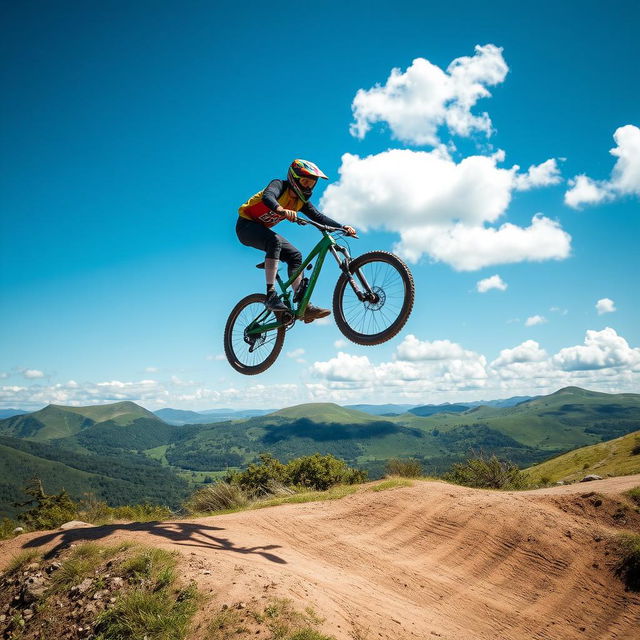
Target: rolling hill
x,y
617,457
55,421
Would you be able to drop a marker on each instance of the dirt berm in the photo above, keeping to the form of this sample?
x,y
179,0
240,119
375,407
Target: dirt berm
x,y
428,561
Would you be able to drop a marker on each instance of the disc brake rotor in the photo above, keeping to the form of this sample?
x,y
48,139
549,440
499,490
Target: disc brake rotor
x,y
378,302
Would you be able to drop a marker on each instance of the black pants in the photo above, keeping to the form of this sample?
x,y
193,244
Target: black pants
x,y
253,234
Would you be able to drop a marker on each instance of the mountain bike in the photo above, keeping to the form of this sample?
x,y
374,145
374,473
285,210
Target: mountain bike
x,y
372,301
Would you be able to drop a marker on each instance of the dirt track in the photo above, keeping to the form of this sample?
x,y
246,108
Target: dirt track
x,y
428,561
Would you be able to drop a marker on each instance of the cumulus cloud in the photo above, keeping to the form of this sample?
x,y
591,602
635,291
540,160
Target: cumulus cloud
x,y
528,351
426,371
605,305
493,282
601,349
417,102
542,175
531,321
624,179
418,371
442,208
32,374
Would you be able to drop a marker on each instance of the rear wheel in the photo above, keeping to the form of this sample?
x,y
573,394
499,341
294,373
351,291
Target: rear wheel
x,y
387,309
252,353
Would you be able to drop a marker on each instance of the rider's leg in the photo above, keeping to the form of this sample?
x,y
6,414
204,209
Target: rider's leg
x,y
293,258
253,234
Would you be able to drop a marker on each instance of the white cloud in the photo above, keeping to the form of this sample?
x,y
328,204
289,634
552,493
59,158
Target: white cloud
x,y
340,344
605,305
345,368
441,207
442,370
296,355
493,282
528,351
542,175
531,321
419,371
413,349
151,369
32,374
417,102
601,349
624,179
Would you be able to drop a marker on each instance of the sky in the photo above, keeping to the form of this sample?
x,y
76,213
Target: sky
x,y
495,147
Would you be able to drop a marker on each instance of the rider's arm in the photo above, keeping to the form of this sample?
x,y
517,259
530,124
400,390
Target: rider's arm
x,y
271,194
311,212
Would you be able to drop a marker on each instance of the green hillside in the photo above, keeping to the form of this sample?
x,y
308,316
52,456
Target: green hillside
x,y
117,480
55,421
323,412
613,458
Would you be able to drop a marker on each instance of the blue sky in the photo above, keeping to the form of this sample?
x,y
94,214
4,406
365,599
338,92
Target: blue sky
x,y
131,132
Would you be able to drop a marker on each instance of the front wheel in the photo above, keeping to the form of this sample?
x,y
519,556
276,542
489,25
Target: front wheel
x,y
248,351
388,305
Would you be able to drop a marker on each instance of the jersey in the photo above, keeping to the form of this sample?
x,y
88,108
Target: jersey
x,y
261,206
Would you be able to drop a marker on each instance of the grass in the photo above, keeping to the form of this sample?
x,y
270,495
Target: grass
x,y
155,566
614,458
82,563
155,615
627,547
278,616
334,493
20,561
634,494
391,483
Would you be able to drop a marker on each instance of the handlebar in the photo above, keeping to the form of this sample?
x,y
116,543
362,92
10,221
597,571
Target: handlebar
x,y
322,227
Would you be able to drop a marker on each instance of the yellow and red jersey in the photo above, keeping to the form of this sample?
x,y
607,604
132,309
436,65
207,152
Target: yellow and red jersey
x,y
261,207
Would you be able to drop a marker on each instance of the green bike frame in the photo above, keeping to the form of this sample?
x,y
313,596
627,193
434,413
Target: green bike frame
x,y
326,244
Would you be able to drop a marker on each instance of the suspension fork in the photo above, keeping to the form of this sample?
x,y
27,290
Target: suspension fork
x,y
368,295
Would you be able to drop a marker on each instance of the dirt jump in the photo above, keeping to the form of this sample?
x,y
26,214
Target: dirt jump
x,y
431,560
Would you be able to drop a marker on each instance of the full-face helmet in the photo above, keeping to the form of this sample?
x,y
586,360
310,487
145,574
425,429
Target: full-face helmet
x,y
303,169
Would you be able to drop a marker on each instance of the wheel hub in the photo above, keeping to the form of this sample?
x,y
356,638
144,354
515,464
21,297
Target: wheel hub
x,y
376,300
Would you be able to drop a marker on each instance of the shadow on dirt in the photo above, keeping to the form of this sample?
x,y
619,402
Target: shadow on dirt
x,y
181,533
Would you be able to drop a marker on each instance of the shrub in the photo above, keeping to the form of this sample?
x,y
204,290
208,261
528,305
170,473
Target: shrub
x,y
217,497
628,551
6,528
487,473
636,449
317,472
257,478
321,472
407,468
49,511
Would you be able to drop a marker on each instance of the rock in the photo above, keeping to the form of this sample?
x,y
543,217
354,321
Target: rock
x,y
18,530
74,524
33,589
559,483
54,566
83,587
591,477
116,581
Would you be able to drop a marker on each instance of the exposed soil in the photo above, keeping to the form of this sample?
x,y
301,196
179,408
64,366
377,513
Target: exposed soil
x,y
429,561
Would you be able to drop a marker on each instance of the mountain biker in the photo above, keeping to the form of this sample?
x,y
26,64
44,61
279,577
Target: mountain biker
x,y
281,200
